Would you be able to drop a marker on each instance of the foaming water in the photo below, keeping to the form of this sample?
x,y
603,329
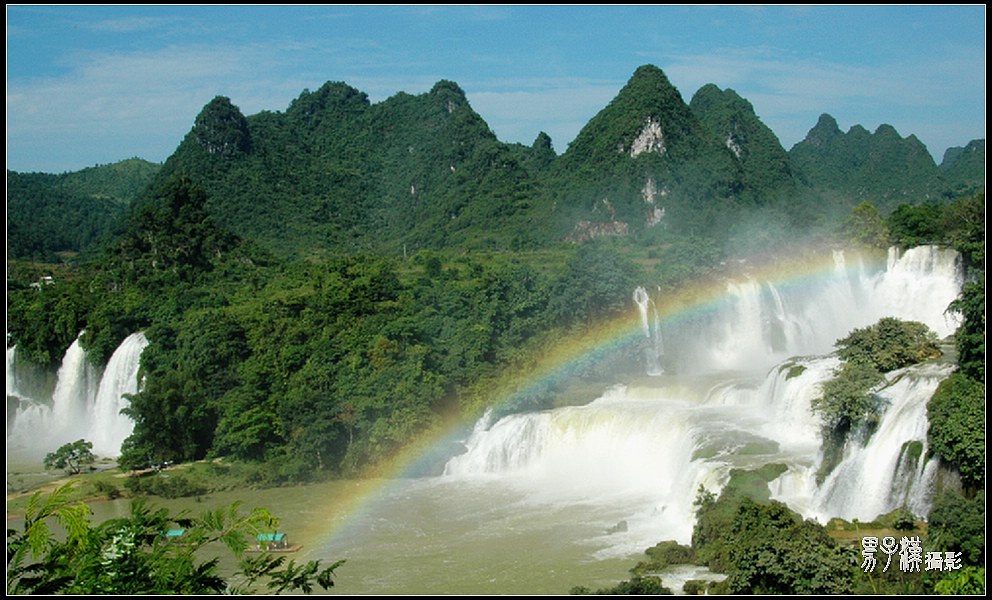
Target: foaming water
x,y
85,403
740,380
762,321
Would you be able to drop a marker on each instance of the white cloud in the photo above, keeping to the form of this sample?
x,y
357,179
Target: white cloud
x,y
137,100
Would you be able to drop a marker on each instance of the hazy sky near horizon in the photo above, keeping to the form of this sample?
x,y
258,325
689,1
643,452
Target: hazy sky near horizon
x,y
91,85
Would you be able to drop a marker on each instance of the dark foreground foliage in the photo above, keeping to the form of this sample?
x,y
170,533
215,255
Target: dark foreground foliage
x,y
134,555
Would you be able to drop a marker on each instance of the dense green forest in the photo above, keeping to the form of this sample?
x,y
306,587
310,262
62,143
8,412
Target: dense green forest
x,y
323,365
49,215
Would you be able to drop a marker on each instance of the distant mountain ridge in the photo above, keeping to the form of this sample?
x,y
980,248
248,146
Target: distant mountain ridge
x,y
964,168
335,173
881,167
48,214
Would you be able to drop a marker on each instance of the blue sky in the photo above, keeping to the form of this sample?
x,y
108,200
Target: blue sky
x,y
92,85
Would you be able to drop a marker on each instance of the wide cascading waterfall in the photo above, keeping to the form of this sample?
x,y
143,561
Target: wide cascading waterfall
x,y
739,379
631,447
756,323
85,404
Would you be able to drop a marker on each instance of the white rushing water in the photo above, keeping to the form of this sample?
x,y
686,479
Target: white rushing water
x,y
85,404
654,347
876,478
108,427
760,323
736,391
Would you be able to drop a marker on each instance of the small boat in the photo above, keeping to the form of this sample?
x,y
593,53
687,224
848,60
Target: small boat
x,y
274,542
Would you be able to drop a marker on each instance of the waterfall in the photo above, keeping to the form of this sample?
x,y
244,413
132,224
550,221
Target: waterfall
x,y
13,384
654,349
786,330
740,397
629,447
108,427
743,334
25,416
756,324
85,403
877,478
73,394
917,282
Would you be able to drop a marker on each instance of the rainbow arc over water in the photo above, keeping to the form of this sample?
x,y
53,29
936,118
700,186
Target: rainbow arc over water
x,y
564,358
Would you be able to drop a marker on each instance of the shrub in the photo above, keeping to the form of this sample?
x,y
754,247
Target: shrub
x,y
957,426
889,344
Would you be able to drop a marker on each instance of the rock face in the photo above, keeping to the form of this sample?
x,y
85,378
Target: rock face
x,y
586,231
221,130
651,139
618,528
651,195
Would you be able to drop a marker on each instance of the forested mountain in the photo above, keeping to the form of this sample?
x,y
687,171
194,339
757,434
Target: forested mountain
x,y
48,214
335,173
882,167
964,168
766,168
645,160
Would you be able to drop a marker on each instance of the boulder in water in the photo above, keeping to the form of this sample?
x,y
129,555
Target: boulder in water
x,y
618,528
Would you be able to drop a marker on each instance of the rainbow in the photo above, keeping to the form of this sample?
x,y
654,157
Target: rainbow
x,y
561,361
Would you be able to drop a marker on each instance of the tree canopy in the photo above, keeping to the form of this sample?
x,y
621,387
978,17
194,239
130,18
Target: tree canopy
x,y
71,457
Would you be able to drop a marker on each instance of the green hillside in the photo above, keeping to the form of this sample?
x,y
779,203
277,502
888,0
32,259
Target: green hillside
x,y
49,214
334,173
964,168
881,167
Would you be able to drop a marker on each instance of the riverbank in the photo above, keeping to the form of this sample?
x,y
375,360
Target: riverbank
x,y
105,481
